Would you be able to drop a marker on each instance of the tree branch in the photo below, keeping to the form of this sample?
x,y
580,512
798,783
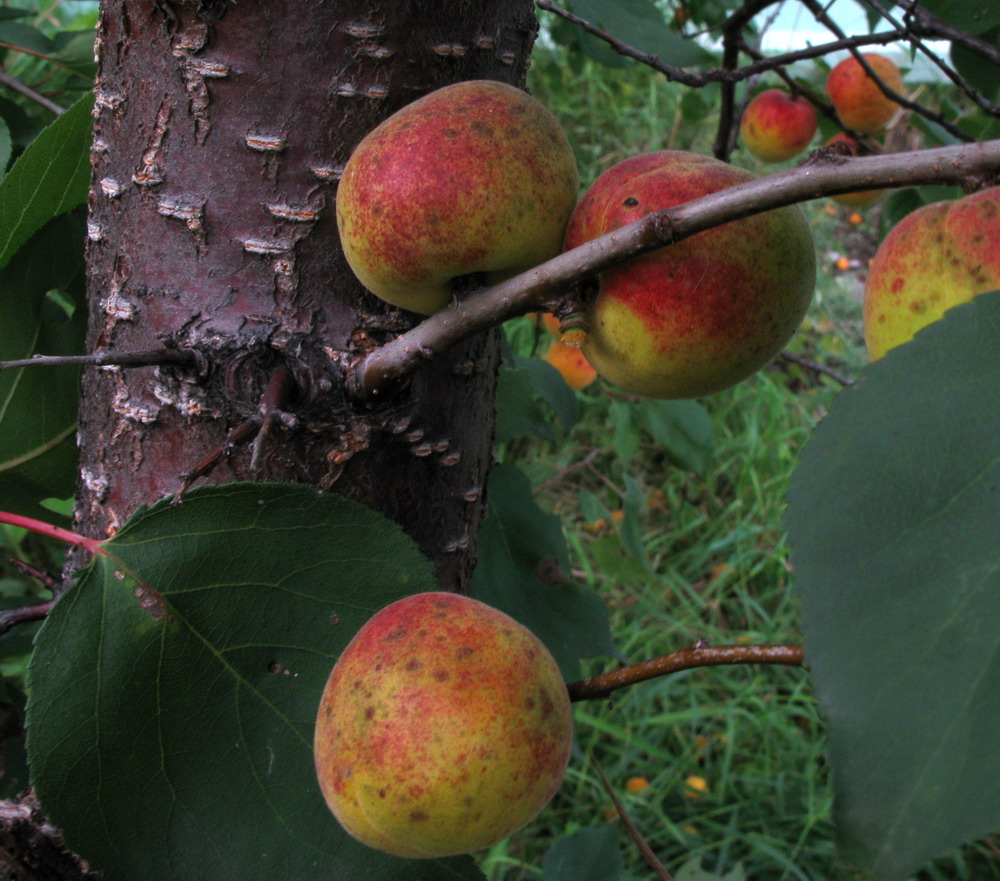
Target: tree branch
x,y
187,357
603,685
548,285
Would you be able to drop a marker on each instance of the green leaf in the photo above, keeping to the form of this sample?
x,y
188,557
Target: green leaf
x,y
51,474
586,855
49,178
640,24
523,559
74,50
976,70
892,522
6,146
972,16
550,386
520,413
38,405
173,689
683,429
25,37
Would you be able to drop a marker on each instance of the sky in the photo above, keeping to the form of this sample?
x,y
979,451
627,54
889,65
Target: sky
x,y
795,28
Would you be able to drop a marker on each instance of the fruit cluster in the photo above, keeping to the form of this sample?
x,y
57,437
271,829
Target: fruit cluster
x,y
445,726
476,182
777,126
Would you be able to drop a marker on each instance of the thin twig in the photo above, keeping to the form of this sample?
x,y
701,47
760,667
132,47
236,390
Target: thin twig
x,y
821,15
19,615
190,357
12,82
633,832
817,367
603,685
738,74
280,389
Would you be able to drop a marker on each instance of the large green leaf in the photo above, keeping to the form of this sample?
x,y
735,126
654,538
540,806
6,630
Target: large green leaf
x,y
48,179
173,690
523,561
38,405
892,519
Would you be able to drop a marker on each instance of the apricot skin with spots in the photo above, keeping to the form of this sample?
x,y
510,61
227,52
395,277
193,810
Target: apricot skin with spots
x,y
937,257
448,747
474,179
698,316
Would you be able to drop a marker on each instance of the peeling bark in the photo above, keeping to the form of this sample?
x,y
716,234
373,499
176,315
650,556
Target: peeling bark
x,y
220,133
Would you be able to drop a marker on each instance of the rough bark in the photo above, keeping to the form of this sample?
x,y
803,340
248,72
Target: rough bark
x,y
220,132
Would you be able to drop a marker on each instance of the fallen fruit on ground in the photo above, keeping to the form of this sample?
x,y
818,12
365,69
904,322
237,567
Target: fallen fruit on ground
x,y
699,316
572,364
859,198
860,104
475,179
444,727
776,127
936,257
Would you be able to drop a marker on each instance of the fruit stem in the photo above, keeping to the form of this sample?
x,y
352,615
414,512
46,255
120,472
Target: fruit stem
x,y
574,330
602,685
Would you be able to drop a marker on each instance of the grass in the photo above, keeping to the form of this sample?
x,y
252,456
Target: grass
x,y
714,567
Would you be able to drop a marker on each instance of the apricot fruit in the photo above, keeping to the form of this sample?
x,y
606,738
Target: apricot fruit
x,y
703,314
859,102
474,179
936,257
776,127
444,727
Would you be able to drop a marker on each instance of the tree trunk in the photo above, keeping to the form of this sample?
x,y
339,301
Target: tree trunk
x,y
221,130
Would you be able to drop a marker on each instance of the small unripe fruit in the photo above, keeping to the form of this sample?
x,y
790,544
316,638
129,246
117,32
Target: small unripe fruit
x,y
474,179
444,727
860,104
776,127
936,257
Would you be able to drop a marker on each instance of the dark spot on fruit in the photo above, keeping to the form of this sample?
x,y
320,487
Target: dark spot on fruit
x,y
442,675
630,202
464,651
378,208
547,705
529,703
413,664
417,816
398,633
381,793
450,133
369,712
